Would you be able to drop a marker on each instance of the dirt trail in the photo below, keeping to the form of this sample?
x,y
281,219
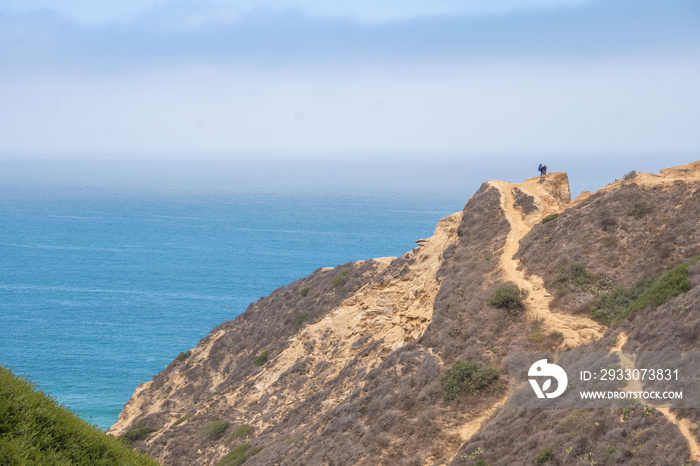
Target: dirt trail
x,y
574,329
628,361
473,426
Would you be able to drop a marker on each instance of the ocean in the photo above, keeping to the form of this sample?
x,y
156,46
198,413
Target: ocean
x,y
110,268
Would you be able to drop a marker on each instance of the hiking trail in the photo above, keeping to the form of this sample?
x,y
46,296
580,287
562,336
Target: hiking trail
x,y
575,330
628,361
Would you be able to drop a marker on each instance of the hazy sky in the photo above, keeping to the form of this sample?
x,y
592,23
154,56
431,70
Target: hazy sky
x,y
79,77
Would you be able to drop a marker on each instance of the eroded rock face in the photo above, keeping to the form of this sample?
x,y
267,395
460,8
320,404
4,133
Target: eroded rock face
x,y
354,354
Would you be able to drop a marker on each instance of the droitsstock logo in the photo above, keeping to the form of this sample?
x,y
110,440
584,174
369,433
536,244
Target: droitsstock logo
x,y
542,369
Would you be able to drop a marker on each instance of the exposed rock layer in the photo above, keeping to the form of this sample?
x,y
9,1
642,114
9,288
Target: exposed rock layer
x,y
355,353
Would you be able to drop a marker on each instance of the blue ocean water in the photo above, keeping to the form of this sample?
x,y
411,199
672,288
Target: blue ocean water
x,y
109,270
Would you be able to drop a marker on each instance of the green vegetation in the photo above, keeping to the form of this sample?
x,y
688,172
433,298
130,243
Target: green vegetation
x,y
182,356
339,278
508,297
549,218
36,429
464,377
239,455
640,209
575,274
182,419
614,305
480,462
139,431
300,319
240,432
667,286
618,303
215,429
304,291
262,359
544,455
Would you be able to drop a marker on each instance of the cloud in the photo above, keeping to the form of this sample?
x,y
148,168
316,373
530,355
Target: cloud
x,y
189,32
617,75
89,12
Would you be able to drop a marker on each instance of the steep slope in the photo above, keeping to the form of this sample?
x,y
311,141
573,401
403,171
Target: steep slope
x,y
349,365
634,228
36,429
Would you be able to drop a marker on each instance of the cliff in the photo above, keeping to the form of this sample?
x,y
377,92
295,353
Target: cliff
x,y
352,365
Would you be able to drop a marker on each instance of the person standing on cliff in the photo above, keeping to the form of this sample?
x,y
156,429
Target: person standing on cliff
x,y
541,170
544,170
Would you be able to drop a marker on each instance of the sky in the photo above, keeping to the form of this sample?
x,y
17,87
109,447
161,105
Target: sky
x,y
176,78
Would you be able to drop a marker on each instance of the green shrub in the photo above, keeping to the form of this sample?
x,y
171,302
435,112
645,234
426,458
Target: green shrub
x,y
465,377
480,462
182,419
617,304
575,274
215,429
262,359
182,356
508,297
36,429
300,319
667,286
640,209
239,455
304,291
241,431
339,278
614,305
139,431
544,455
235,457
549,218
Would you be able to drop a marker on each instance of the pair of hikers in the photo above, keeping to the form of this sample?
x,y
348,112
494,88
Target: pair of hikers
x,y
543,170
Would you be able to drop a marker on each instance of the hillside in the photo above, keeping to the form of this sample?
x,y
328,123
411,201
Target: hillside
x,y
402,360
35,429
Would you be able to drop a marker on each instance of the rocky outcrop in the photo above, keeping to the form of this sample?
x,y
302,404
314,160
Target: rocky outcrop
x,y
345,366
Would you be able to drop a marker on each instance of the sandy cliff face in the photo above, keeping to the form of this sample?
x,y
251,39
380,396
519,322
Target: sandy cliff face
x,y
354,355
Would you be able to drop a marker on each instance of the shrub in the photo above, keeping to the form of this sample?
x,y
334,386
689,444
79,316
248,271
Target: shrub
x,y
215,429
182,419
182,356
549,218
614,305
575,274
300,319
480,462
544,455
465,377
617,304
640,209
239,455
241,431
630,175
139,431
262,359
667,286
36,429
235,457
508,297
339,278
304,291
